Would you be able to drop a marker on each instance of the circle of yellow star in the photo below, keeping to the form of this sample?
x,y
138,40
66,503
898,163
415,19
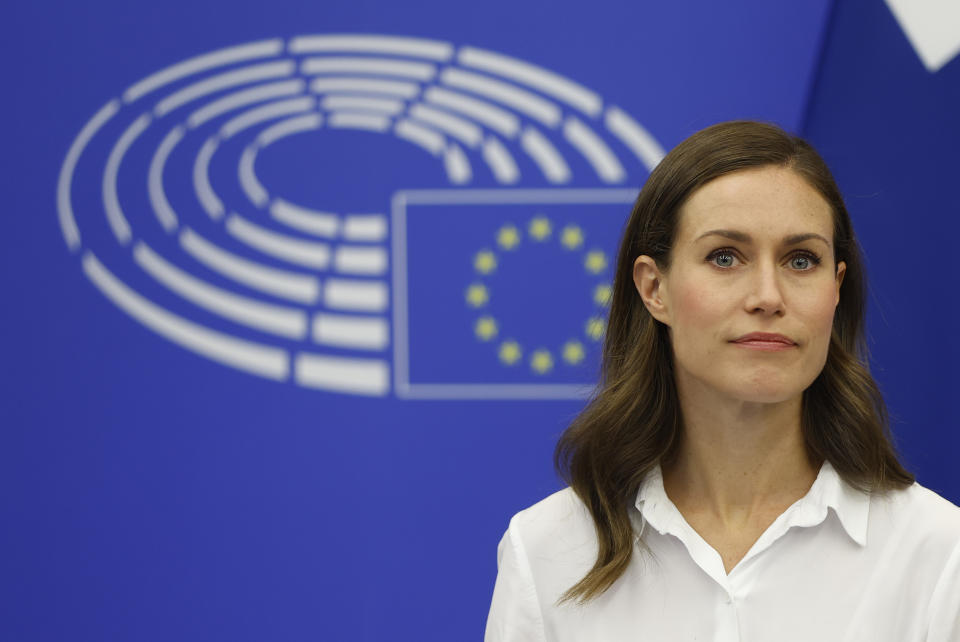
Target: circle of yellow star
x,y
595,262
485,328
571,237
509,352
478,295
508,237
602,294
485,262
595,327
541,361
573,352
540,228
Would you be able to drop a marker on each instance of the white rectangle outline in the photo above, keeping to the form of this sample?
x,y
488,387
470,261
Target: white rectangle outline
x,y
401,350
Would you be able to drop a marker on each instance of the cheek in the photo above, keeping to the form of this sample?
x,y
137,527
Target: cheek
x,y
821,309
699,311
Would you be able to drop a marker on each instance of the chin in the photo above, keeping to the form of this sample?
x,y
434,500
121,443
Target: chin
x,y
768,388
766,396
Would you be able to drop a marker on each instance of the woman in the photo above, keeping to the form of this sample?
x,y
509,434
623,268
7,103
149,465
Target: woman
x,y
733,478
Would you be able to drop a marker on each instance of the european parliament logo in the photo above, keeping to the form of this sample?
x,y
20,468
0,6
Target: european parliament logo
x,y
362,214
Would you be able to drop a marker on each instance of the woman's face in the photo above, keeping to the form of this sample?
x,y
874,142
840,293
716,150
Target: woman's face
x,y
750,294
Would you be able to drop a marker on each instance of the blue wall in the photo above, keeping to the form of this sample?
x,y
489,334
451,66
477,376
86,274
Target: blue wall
x,y
399,400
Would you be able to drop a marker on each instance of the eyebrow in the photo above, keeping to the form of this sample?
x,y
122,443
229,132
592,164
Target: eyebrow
x,y
743,237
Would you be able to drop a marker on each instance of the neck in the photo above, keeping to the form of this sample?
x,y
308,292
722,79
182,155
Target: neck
x,y
736,458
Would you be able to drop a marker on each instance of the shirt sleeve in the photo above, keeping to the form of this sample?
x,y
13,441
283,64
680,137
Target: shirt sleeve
x,y
515,610
945,603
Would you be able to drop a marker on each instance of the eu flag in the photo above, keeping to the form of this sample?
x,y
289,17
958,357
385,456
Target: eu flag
x,y
503,293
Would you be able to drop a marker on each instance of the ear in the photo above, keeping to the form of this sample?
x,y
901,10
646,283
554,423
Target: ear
x,y
649,281
841,270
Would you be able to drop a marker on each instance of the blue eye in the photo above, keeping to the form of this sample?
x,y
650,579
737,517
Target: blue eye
x,y
722,258
805,261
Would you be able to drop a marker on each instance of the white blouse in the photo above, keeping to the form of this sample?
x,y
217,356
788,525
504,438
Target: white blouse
x,y
837,565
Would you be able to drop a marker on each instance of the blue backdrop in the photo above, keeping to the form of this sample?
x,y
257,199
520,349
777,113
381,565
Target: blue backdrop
x,y
299,296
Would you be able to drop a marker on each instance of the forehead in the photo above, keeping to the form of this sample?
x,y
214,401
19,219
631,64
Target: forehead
x,y
765,202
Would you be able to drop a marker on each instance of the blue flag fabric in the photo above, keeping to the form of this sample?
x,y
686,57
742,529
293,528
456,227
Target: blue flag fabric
x,y
884,112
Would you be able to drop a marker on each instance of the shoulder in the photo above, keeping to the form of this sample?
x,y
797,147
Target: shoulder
x,y
556,540
562,513
930,541
561,506
920,525
922,512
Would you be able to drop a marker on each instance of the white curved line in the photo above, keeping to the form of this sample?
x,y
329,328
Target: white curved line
x,y
364,296
457,165
494,391
255,358
422,71
501,163
158,199
428,139
306,220
398,243
415,47
528,196
634,136
545,155
190,66
267,112
604,161
111,202
344,331
364,85
520,99
243,97
279,283
242,76
360,260
248,177
365,227
357,376
276,319
546,81
201,179
359,120
68,223
457,127
490,115
362,104
292,250
289,127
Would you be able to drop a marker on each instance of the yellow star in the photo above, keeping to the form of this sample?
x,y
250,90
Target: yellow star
x,y
508,237
595,327
596,261
573,351
540,228
485,262
571,237
485,328
478,295
509,352
541,361
602,294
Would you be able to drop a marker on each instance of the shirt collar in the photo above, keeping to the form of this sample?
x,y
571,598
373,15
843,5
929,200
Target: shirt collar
x,y
828,491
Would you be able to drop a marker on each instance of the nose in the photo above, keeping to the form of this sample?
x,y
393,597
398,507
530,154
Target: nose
x,y
765,294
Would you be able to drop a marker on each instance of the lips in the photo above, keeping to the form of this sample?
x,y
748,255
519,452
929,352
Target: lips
x,y
765,337
765,341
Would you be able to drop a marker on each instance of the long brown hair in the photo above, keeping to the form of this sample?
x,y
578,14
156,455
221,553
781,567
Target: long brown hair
x,y
634,420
